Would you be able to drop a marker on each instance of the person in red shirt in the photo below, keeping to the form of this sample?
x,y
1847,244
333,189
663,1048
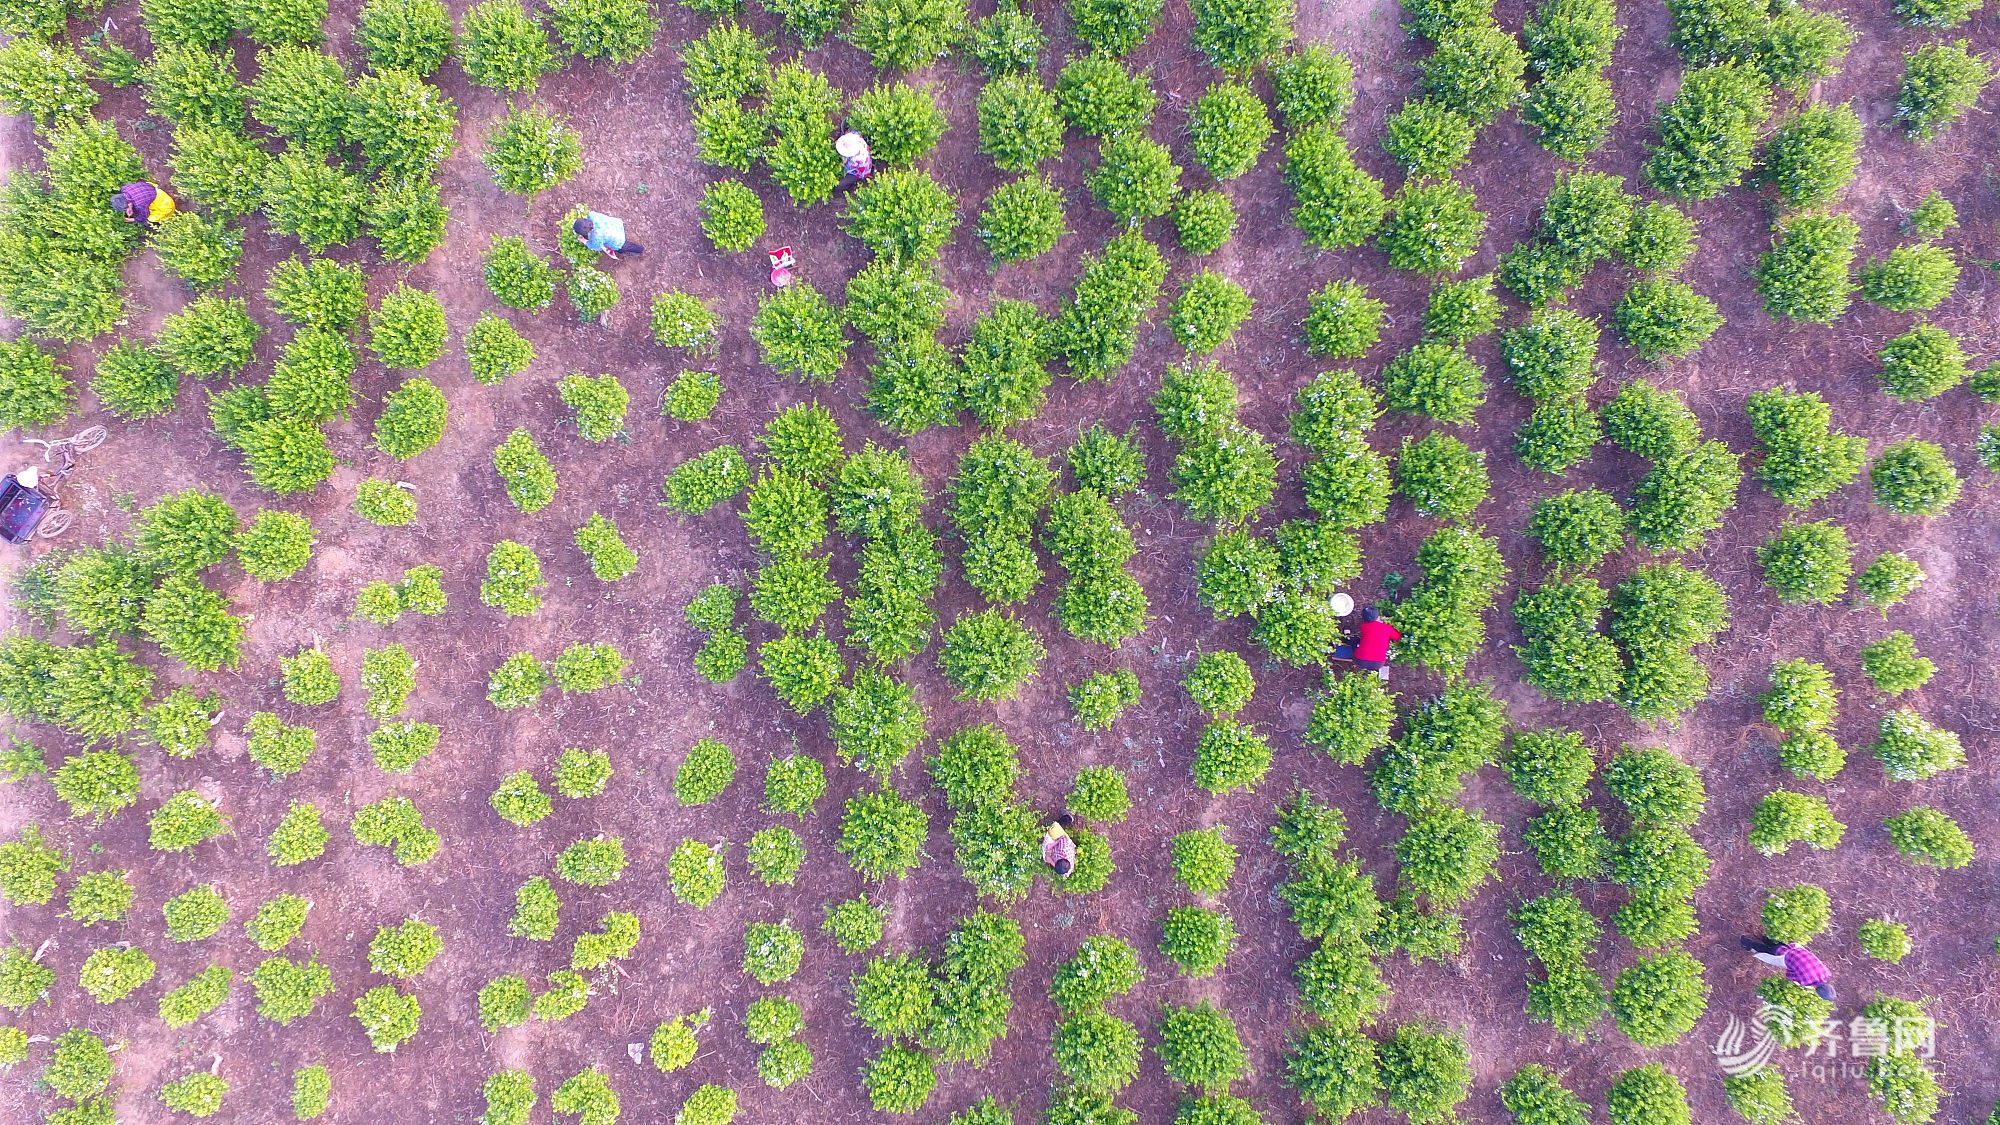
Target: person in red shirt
x,y
1370,650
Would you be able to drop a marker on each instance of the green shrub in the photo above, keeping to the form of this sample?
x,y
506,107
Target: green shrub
x,y
1911,749
1204,861
1441,476
1664,317
1912,278
1196,939
1343,320
902,123
319,204
409,35
1707,132
504,48
384,504
1228,129
210,336
530,151
1922,363
1796,915
1427,138
1136,178
1884,940
295,21
517,276
1914,478
1894,666
45,79
731,215
1577,529
1647,1095
406,218
1097,700
1892,577
513,582
882,835
856,924
701,483
706,771
34,390
1930,838
1941,82
1804,458
1572,112
1432,228
1804,276
195,914
526,474
497,351
1813,154
793,785
1808,563
1102,97
1219,683
1312,85
1784,818
1658,1000
608,31
1096,1051
1435,380
771,952
1230,756
726,62
1022,219
303,97
1426,1072
599,404
1447,854
905,36
1204,221
403,126
1019,126
201,252
989,655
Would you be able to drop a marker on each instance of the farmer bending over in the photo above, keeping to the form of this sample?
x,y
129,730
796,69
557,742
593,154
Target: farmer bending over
x,y
142,203
856,163
1801,967
1058,850
1371,649
605,233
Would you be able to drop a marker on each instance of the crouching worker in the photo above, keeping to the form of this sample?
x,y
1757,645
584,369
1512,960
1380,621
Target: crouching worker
x,y
1798,962
856,162
1058,850
1370,649
605,234
143,203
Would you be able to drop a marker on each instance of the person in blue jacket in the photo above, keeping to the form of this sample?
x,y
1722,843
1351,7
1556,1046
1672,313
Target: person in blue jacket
x,y
606,234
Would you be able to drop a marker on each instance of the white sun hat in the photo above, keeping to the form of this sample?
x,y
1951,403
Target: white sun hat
x,y
1341,604
850,145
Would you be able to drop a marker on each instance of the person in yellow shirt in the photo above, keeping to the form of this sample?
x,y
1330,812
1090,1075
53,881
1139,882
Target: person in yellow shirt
x,y
1058,850
143,203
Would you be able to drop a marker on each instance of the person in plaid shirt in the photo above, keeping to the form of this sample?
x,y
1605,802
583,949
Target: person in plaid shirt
x,y
1801,967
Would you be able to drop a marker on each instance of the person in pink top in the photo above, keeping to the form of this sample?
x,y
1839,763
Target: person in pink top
x,y
1800,965
1058,850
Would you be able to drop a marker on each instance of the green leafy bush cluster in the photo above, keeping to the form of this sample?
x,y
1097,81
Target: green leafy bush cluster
x,y
1023,218
1805,458
1658,615
1338,203
1443,618
1098,327
1941,83
1565,654
513,582
1708,131
1894,665
1803,704
1929,837
1914,478
1911,749
1100,698
1813,154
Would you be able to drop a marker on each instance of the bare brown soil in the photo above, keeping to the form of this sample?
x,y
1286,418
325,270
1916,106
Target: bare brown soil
x,y
639,164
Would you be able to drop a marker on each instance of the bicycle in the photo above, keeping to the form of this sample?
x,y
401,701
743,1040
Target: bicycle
x,y
63,454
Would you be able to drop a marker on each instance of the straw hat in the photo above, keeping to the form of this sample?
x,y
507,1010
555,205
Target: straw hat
x,y
850,145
